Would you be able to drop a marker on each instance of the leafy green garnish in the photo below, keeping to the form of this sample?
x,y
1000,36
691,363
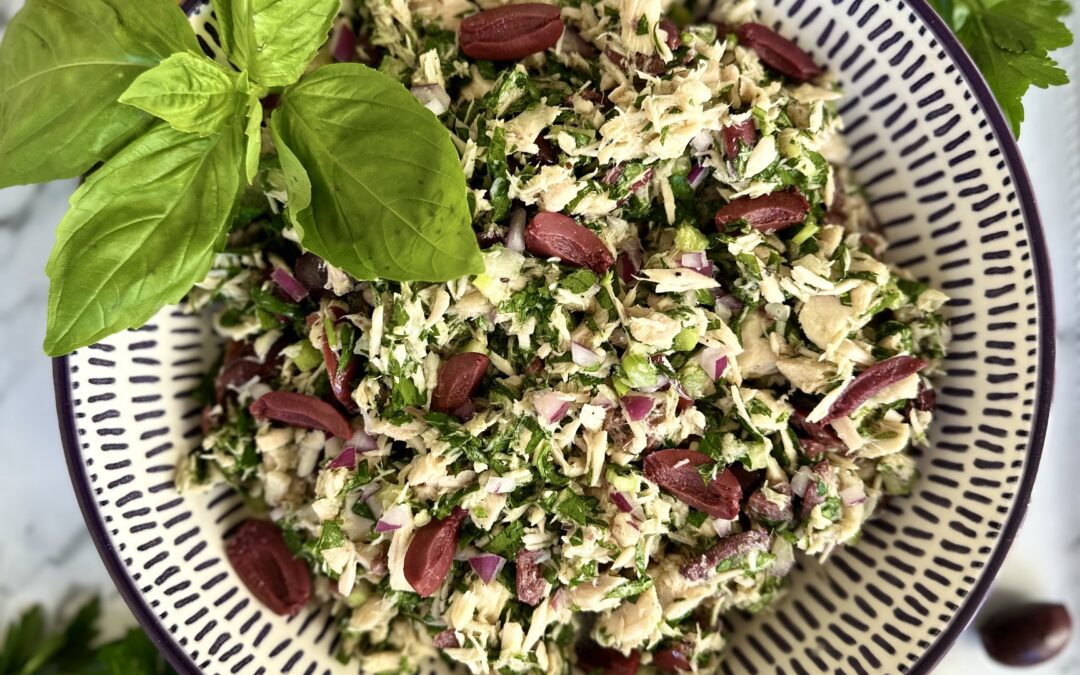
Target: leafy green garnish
x,y
190,92
373,179
63,65
579,281
630,589
118,260
383,194
1010,41
30,647
272,40
507,542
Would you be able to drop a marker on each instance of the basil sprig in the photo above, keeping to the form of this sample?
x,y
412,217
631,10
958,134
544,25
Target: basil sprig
x,y
374,182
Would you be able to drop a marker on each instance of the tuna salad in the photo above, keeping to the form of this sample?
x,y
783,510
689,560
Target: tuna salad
x,y
685,363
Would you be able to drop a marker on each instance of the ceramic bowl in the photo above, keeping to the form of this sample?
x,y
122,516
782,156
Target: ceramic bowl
x,y
945,178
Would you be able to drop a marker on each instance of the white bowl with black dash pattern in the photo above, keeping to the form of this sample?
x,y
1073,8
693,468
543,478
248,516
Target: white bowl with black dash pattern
x,y
946,181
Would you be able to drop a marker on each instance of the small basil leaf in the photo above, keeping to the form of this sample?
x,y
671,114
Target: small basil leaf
x,y
254,137
190,92
274,40
63,65
141,231
387,195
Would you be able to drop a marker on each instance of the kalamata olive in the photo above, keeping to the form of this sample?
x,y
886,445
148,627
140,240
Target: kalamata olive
x,y
553,235
431,552
301,410
258,553
737,136
676,471
778,52
871,381
447,639
673,659
1027,634
823,473
591,657
530,581
767,213
672,36
748,480
731,546
459,376
761,508
927,398
310,270
545,150
510,32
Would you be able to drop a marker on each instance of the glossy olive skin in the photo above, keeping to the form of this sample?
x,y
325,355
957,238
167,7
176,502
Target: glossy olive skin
x,y
1027,634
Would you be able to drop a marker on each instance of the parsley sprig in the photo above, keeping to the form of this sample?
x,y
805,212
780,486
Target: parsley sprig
x,y
1010,41
33,647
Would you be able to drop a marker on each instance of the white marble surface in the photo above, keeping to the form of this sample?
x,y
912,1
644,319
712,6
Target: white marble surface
x,y
47,556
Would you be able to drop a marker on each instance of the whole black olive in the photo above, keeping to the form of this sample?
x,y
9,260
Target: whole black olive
x,y
1027,634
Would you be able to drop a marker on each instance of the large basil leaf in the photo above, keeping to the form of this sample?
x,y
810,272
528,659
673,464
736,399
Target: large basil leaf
x,y
190,92
141,231
63,65
387,193
274,40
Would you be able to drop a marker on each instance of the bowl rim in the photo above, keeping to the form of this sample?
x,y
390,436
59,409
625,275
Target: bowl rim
x,y
184,665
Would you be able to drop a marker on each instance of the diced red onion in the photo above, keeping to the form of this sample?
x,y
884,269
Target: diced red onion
x,y
584,357
551,406
362,441
722,527
393,519
500,485
344,43
559,599
515,236
370,489
699,262
433,97
346,460
801,480
288,283
637,407
487,565
713,362
465,411
697,176
628,264
729,301
853,495
603,402
622,502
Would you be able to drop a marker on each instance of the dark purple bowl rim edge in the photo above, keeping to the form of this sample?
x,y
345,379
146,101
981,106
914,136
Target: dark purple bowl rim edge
x,y
183,664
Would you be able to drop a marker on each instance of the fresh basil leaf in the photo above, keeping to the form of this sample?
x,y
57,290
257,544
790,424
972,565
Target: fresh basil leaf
x,y
379,191
190,92
254,137
274,40
141,231
63,65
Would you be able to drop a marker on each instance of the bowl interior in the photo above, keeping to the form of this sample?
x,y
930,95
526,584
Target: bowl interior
x,y
946,182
